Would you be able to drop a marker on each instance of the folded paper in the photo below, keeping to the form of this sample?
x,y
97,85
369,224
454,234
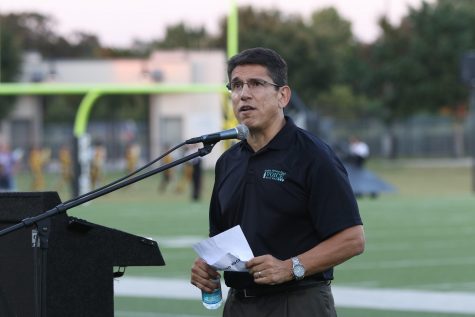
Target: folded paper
x,y
227,251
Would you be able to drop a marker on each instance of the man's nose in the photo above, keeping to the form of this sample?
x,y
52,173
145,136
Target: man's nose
x,y
246,90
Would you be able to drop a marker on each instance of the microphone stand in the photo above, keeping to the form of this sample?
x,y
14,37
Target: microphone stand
x,y
205,150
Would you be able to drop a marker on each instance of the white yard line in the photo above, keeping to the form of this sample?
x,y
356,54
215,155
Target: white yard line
x,y
352,297
177,242
405,300
410,263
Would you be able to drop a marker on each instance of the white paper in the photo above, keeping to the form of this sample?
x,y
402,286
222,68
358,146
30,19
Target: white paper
x,y
227,251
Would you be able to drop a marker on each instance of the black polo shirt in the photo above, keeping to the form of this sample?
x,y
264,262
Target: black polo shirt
x,y
288,197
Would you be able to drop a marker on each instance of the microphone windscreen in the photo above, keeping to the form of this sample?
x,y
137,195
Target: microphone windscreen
x,y
243,132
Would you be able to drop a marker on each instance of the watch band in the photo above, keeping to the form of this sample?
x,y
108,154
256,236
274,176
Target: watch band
x,y
295,261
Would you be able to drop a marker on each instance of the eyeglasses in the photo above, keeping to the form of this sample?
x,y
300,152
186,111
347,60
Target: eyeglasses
x,y
253,84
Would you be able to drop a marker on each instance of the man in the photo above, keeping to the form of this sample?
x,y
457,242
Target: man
x,y
359,151
8,167
289,193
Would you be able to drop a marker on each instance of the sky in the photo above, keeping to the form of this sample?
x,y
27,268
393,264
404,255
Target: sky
x,y
118,22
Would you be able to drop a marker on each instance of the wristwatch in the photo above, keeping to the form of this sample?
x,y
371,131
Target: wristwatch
x,y
297,269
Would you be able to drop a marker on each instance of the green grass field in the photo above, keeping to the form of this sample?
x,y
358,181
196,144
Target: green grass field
x,y
420,238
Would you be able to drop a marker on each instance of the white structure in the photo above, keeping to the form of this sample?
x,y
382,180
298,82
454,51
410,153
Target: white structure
x,y
173,118
177,117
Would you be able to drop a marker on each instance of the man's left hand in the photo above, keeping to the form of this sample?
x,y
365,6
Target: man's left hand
x,y
266,269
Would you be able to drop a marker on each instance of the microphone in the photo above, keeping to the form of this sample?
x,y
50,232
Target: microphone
x,y
240,132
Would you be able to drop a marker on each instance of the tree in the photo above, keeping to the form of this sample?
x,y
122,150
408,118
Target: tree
x,y
339,67
36,32
182,36
415,67
334,40
107,108
316,52
10,63
121,107
342,102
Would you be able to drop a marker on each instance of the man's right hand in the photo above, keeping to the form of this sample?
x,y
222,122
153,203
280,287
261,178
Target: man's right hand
x,y
202,274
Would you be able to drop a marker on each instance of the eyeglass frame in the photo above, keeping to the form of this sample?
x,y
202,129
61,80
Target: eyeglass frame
x,y
256,80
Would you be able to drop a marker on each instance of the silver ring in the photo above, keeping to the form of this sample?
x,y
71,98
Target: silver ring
x,y
259,274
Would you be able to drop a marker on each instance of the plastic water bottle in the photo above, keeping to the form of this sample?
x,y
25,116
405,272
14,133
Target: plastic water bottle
x,y
214,299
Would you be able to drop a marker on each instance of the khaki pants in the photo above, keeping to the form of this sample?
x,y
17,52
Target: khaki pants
x,y
315,301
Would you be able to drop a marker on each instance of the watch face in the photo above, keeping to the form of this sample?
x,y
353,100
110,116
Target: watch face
x,y
299,271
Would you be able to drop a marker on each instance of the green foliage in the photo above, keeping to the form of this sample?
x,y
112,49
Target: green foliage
x,y
61,108
182,36
316,51
415,66
412,67
36,32
342,102
334,39
325,68
6,105
121,107
10,56
10,63
107,108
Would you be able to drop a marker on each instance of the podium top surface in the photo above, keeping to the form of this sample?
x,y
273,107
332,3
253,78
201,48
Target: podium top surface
x,y
68,233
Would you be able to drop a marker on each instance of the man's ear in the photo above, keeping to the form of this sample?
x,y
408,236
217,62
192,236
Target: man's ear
x,y
284,96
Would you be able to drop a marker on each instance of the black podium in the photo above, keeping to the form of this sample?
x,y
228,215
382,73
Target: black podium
x,y
64,265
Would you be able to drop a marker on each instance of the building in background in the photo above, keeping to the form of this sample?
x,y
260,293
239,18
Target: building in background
x,y
173,118
178,117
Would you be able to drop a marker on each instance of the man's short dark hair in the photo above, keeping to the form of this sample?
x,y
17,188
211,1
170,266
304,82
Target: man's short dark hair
x,y
275,64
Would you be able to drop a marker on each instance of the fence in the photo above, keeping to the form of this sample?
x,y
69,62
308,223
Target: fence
x,y
417,137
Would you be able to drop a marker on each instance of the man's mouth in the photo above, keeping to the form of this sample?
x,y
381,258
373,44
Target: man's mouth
x,y
245,108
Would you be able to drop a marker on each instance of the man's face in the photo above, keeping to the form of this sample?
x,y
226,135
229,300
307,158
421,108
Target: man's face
x,y
259,103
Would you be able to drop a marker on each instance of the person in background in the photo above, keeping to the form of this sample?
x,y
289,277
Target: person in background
x,y
191,174
132,155
8,167
166,174
98,159
289,193
358,151
196,173
196,178
37,160
66,166
184,172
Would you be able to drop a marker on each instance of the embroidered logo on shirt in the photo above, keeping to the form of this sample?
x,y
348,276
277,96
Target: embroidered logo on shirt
x,y
274,175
